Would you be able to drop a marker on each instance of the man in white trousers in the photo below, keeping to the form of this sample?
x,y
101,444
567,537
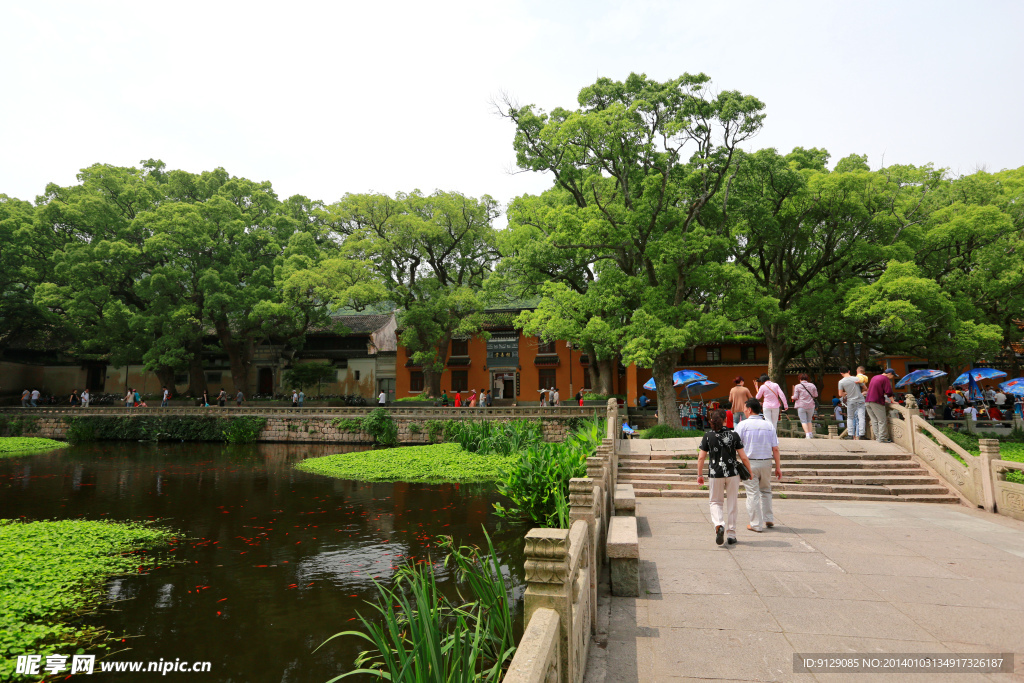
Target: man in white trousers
x,y
761,444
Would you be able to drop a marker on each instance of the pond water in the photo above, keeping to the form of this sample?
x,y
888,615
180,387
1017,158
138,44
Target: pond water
x,y
271,561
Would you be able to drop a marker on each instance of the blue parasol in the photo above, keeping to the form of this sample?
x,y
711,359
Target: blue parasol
x,y
979,374
678,379
919,377
700,386
1013,386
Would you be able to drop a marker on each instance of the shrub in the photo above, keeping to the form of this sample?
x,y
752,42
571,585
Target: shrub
x,y
436,429
347,424
433,463
666,432
537,482
413,399
17,426
414,428
244,429
381,426
1016,476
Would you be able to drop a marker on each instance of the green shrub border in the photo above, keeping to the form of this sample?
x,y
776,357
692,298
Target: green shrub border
x,y
243,429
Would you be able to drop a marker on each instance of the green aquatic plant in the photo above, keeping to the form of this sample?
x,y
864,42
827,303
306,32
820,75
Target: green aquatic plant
x,y
381,426
52,572
434,463
20,445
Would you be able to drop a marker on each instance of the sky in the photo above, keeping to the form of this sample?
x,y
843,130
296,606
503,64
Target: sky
x,y
325,98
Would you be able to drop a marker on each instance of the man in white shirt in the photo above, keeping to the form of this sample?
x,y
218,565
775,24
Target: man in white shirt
x,y
35,398
381,397
1000,398
166,395
761,444
86,397
989,394
555,397
971,411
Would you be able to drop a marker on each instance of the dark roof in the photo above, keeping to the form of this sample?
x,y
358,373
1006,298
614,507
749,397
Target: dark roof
x,y
354,324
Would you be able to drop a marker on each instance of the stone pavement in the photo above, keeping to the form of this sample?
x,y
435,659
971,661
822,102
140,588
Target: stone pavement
x,y
840,577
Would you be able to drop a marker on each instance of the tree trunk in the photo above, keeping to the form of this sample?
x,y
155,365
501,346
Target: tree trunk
x,y
779,355
605,375
196,372
166,377
431,382
240,352
668,411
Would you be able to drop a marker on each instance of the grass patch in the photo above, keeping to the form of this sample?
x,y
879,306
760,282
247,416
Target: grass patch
x,y
666,432
20,445
52,572
1012,450
436,463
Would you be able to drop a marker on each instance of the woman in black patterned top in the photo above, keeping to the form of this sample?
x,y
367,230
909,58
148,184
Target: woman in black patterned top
x,y
723,449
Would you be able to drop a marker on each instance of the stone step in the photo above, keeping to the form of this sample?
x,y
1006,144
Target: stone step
x,y
790,478
946,498
786,455
850,464
915,474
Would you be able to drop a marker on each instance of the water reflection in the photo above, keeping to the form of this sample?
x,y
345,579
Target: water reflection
x,y
272,561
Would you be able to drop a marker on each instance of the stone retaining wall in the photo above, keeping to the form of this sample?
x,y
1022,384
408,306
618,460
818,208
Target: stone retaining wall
x,y
411,431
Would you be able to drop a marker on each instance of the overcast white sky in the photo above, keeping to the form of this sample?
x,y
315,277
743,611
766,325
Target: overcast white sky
x,y
323,98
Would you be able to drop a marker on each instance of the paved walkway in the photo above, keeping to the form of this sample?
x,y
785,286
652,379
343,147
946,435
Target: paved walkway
x,y
840,577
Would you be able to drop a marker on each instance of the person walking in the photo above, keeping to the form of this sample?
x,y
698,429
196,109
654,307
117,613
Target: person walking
x,y
129,398
850,389
165,396
805,398
457,401
136,398
556,398
488,398
206,398
35,398
761,444
472,398
295,398
382,398
738,397
773,399
239,398
222,398
880,393
86,397
26,396
302,398
725,449
73,399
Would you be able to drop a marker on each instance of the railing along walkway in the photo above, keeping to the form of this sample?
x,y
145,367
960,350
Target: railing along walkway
x,y
507,412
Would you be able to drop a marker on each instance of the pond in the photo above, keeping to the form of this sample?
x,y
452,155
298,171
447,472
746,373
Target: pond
x,y
271,561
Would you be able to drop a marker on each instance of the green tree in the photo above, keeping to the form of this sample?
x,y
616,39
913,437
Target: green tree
x,y
807,236
302,375
21,269
641,161
431,254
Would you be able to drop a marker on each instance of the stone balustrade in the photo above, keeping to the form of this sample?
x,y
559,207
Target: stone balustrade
x,y
979,479
313,425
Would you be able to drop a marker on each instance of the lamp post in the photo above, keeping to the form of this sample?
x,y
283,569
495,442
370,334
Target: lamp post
x,y
569,345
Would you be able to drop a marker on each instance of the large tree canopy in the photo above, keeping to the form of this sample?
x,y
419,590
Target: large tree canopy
x,y
431,254
640,160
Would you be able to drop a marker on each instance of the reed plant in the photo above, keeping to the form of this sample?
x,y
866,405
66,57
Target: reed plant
x,y
537,482
494,437
417,634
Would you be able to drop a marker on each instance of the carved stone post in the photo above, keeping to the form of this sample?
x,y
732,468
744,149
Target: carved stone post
x,y
989,452
549,585
584,505
613,419
833,431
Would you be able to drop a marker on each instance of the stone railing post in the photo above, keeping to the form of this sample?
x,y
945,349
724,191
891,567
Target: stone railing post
x,y
549,585
833,431
989,451
612,415
584,505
